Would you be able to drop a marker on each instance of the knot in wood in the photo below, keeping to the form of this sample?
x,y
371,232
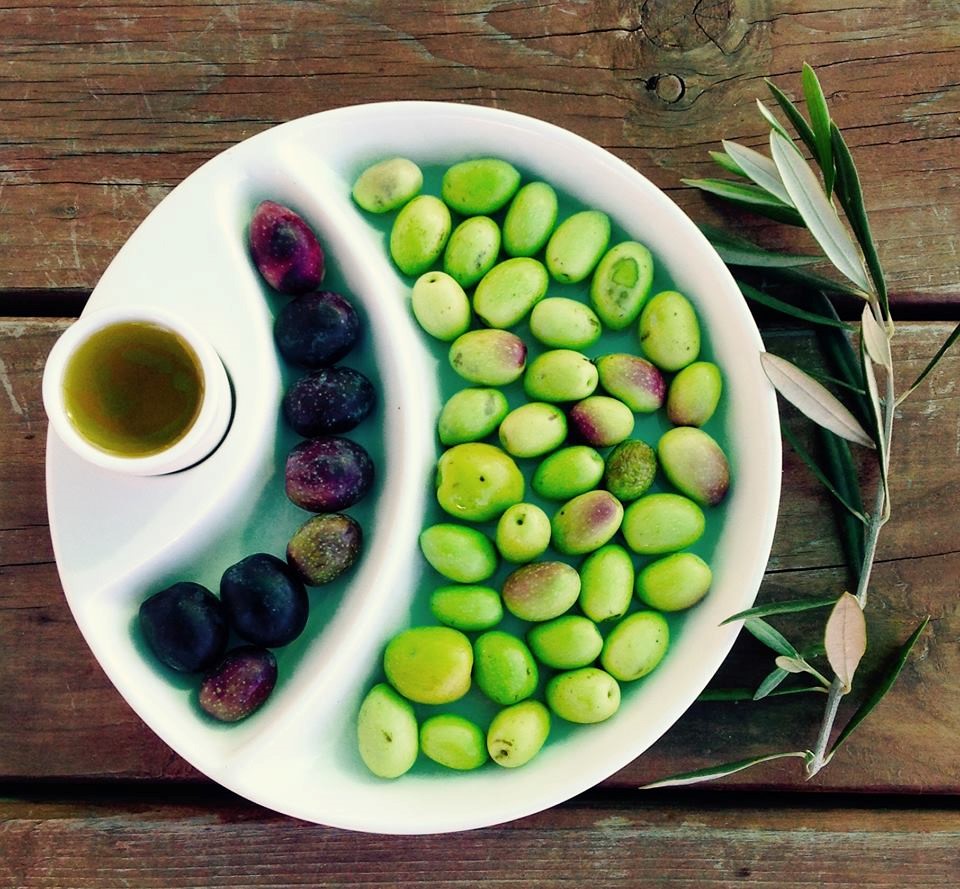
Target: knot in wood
x,y
668,88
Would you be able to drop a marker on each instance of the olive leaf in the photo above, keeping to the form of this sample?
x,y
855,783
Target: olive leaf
x,y
772,638
794,116
875,338
845,638
770,683
789,607
851,199
727,163
759,168
785,308
749,196
820,124
735,250
950,340
812,399
771,119
722,771
883,686
817,212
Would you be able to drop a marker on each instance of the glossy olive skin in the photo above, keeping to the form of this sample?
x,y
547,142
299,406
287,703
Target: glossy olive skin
x,y
328,474
265,602
328,400
316,329
185,626
239,684
285,249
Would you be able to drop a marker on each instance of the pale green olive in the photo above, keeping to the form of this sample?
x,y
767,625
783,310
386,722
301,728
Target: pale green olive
x,y
530,219
508,291
471,414
429,665
453,741
517,733
419,234
674,582
466,607
560,375
586,522
533,429
503,667
541,590
458,552
562,323
621,284
606,583
669,331
387,185
568,472
694,394
576,245
477,481
387,732
694,464
488,357
584,696
566,643
635,645
662,523
472,250
440,306
479,187
523,532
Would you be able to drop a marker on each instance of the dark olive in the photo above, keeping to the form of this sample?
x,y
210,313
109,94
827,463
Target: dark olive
x,y
332,399
323,547
328,474
265,602
316,329
185,626
239,684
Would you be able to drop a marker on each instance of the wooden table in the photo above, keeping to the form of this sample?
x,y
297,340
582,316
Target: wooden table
x,y
105,107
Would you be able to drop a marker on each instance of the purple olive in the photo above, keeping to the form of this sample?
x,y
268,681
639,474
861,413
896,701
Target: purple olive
x,y
185,626
316,329
328,474
332,399
324,547
265,603
285,249
239,684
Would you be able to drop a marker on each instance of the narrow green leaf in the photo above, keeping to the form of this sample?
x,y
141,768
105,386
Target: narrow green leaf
x,y
734,250
875,338
745,694
749,196
883,686
775,124
758,168
851,199
842,359
772,638
791,606
838,464
873,395
834,381
785,308
817,212
722,771
820,124
950,340
727,163
812,399
814,281
773,679
794,116
822,476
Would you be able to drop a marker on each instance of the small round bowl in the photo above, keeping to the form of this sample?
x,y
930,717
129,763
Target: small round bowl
x,y
201,438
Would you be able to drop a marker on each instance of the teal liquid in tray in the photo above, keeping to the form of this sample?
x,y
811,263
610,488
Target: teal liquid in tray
x,y
649,427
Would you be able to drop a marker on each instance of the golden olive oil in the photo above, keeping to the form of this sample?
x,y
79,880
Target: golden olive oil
x,y
133,388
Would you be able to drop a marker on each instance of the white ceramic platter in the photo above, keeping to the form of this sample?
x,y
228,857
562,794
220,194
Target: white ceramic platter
x,y
117,539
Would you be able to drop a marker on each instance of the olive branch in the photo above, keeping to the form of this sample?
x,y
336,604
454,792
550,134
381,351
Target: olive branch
x,y
786,188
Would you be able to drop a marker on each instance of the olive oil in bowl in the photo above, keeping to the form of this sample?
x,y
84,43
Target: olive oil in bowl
x,y
133,388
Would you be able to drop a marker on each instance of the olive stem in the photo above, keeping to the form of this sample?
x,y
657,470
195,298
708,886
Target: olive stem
x,y
878,518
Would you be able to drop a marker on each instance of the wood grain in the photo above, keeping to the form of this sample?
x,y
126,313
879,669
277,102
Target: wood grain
x,y
693,842
63,719
107,106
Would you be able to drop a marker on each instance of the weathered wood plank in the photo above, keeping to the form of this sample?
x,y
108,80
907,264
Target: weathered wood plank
x,y
682,842
63,719
102,119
